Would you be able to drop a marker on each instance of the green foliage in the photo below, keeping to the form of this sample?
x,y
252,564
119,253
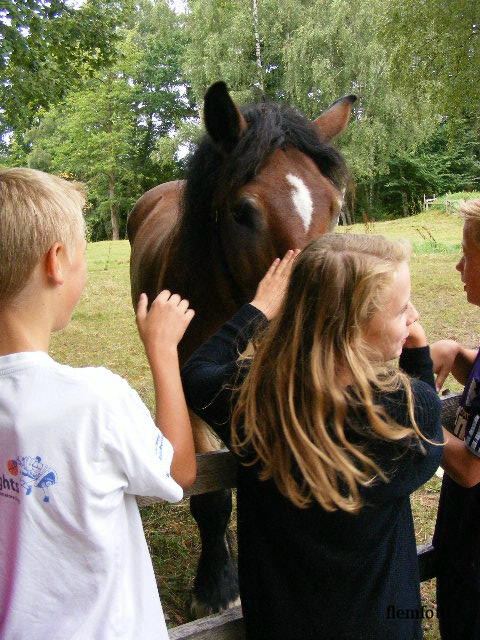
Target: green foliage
x,y
436,49
88,137
323,61
154,47
458,197
126,126
449,160
46,47
220,47
104,133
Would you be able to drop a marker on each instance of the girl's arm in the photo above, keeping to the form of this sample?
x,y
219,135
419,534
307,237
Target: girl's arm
x,y
407,467
213,371
448,356
415,358
211,374
161,329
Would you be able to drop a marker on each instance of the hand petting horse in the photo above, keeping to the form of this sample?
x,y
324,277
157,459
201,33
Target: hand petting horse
x,y
263,180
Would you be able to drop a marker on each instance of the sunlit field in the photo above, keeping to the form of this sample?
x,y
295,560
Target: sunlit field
x,y
102,332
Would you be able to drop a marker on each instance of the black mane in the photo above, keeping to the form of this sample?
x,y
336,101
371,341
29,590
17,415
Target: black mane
x,y
213,177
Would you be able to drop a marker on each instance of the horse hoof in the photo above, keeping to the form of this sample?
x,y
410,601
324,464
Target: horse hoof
x,y
199,609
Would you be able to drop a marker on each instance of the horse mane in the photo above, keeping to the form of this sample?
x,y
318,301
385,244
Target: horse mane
x,y
213,176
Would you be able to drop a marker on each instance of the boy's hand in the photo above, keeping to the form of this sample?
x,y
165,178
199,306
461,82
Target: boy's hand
x,y
162,327
443,354
271,288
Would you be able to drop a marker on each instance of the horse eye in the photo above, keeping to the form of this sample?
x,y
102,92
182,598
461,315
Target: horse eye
x,y
245,213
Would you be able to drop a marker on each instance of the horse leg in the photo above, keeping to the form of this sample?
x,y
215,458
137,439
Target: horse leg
x,y
216,582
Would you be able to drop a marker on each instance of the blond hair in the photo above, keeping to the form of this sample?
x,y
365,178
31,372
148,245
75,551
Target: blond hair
x,y
470,212
36,211
296,418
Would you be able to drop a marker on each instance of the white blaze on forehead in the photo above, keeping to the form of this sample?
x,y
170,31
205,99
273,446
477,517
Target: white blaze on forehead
x,y
302,199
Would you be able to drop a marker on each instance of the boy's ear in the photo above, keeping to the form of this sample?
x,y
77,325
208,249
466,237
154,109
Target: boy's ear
x,y
53,263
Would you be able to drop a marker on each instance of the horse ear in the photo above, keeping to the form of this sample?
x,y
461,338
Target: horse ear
x,y
223,120
335,119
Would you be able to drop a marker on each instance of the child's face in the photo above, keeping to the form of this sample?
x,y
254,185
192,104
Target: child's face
x,y
469,264
389,327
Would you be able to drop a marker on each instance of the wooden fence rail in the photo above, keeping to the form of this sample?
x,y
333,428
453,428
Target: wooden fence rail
x,y
218,470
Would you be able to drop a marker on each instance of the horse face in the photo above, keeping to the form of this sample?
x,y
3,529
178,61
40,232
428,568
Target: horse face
x,y
264,180
287,202
293,199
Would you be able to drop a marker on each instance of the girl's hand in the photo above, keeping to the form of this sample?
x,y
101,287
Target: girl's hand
x,y
271,288
443,354
416,336
162,327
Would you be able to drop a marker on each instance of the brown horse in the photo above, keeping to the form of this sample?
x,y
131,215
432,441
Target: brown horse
x,y
263,180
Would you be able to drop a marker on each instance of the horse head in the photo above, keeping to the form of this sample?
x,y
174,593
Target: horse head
x,y
263,180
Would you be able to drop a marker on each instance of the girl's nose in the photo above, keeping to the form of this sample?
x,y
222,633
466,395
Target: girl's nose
x,y
412,314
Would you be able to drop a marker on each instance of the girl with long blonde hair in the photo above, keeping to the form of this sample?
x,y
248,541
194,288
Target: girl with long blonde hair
x,y
331,438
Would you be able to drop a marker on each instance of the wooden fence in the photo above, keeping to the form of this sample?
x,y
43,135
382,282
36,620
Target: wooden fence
x,y
218,470
428,201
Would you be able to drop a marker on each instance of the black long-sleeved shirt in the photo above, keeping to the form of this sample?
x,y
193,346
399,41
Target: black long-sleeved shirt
x,y
308,573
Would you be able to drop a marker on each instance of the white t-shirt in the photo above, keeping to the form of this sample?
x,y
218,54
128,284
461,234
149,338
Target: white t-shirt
x,y
76,446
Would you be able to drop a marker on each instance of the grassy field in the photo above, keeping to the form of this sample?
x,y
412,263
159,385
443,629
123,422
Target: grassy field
x,y
102,332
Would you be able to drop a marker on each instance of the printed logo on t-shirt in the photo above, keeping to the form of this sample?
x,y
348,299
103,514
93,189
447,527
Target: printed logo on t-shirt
x,y
159,448
25,474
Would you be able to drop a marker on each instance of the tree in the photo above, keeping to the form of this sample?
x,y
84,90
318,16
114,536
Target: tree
x,y
436,50
152,54
46,47
313,52
449,161
241,43
89,137
104,133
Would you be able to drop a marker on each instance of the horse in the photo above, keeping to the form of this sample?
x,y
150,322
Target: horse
x,y
262,180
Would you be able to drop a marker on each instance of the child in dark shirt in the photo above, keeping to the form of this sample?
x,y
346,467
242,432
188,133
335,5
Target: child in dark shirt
x,y
457,532
331,439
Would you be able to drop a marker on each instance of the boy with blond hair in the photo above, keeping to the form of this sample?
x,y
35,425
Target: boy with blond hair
x,y
457,532
77,445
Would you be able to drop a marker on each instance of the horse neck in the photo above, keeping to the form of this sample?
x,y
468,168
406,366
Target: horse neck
x,y
204,264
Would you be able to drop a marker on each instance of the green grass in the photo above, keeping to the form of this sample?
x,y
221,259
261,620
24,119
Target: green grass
x,y
432,226
102,332
455,199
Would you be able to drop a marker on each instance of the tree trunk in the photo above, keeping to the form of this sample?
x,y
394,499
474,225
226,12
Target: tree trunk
x,y
258,51
113,207
404,204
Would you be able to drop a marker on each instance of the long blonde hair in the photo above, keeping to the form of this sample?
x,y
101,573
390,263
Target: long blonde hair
x,y
292,409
